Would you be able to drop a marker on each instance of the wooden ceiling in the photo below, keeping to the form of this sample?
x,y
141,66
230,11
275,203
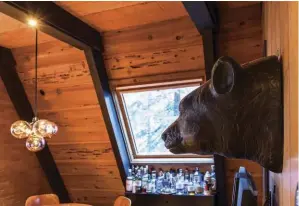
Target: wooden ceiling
x,y
107,16
14,34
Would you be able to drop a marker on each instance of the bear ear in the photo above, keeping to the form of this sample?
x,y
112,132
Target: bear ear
x,y
224,75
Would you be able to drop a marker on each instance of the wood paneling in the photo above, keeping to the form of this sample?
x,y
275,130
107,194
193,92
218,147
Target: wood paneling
x,y
162,48
240,32
120,16
240,36
20,173
281,33
156,62
90,7
15,34
167,34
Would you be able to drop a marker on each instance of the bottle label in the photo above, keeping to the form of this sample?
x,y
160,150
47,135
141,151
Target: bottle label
x,y
138,183
129,185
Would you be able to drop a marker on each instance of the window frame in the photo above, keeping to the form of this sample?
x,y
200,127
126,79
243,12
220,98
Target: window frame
x,y
126,128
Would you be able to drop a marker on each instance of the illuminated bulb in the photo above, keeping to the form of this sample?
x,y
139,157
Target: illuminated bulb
x,y
20,129
35,143
44,128
32,22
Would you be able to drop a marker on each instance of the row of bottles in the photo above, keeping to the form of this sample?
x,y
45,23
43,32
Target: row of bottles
x,y
141,180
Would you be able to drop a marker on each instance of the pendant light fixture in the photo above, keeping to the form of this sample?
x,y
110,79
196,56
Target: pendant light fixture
x,y
38,129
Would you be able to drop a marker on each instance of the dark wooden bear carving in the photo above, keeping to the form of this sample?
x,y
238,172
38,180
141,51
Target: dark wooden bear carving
x,y
237,114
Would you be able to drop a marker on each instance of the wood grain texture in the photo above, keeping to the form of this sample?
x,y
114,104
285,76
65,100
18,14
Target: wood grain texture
x,y
166,34
167,47
20,173
124,15
14,34
240,36
85,8
240,32
156,62
281,33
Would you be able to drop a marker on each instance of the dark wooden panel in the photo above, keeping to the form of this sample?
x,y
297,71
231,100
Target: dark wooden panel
x,y
202,13
209,44
13,85
95,197
93,182
173,200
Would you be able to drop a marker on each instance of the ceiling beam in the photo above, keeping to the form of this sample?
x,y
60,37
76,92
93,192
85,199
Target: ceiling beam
x,y
61,30
24,110
209,50
100,79
51,14
202,13
204,16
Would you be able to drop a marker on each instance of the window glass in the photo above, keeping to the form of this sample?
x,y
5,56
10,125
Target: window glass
x,y
149,113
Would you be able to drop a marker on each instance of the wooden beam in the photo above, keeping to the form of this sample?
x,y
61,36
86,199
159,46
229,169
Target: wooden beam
x,y
205,17
203,14
100,80
53,15
208,38
219,162
23,108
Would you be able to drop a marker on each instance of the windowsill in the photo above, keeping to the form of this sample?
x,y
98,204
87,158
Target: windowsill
x,y
173,161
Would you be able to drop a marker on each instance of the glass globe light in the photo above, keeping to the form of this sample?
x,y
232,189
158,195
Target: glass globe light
x,y
35,143
44,128
20,129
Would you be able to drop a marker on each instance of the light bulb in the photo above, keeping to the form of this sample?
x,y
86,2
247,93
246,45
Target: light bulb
x,y
35,143
44,128
20,129
32,22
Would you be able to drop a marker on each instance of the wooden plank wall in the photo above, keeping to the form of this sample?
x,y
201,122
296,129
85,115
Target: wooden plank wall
x,y
281,33
146,52
81,149
240,37
20,173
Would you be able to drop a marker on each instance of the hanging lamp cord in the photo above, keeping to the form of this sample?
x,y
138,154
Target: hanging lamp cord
x,y
36,36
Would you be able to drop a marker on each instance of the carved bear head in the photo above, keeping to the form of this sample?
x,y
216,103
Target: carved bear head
x,y
238,113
